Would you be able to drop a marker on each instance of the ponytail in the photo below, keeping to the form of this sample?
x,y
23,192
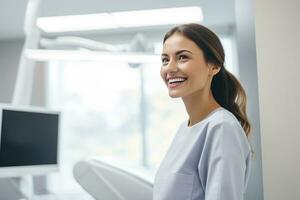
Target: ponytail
x,y
229,93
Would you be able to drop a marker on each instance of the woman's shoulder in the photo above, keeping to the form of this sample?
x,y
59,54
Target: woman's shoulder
x,y
218,119
223,117
226,127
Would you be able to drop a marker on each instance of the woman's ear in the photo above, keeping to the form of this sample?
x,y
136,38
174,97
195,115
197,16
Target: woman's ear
x,y
214,70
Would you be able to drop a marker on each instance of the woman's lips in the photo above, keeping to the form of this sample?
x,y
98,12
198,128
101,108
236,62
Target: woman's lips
x,y
176,84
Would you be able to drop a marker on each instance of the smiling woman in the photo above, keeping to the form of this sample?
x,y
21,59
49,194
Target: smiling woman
x,y
210,156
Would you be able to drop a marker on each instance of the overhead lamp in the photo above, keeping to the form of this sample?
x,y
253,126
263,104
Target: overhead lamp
x,y
157,16
76,23
124,19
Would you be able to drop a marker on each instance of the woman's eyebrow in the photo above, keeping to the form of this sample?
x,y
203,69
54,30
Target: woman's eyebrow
x,y
164,55
178,52
181,51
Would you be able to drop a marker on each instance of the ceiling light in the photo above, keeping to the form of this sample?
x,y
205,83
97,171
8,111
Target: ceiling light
x,y
138,18
76,23
158,16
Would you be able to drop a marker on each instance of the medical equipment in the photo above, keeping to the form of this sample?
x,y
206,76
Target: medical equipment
x,y
107,180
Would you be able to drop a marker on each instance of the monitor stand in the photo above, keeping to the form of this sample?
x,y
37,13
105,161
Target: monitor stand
x,y
16,188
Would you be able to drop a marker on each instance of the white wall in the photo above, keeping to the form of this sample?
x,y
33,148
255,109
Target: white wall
x,y
277,41
245,36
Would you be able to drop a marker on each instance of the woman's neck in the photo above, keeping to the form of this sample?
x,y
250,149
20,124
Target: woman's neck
x,y
198,106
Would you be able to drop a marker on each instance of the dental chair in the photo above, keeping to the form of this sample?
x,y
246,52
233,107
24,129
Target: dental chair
x,y
106,180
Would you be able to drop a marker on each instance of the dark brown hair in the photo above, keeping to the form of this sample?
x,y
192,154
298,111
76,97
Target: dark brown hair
x,y
225,87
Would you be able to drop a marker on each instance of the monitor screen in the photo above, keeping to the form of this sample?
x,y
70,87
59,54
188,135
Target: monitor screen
x,y
28,138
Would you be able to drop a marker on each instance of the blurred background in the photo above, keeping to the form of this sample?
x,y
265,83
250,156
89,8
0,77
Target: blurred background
x,y
120,110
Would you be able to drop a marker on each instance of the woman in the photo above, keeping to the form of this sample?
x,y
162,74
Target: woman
x,y
209,157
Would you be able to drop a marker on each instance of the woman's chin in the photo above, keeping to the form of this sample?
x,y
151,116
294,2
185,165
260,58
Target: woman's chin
x,y
174,94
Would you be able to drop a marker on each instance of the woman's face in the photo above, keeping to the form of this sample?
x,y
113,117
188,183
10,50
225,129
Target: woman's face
x,y
184,69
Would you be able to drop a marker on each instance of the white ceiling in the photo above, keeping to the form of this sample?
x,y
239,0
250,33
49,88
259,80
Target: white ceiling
x,y
216,13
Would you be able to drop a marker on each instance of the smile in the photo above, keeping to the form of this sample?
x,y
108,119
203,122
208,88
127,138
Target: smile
x,y
176,82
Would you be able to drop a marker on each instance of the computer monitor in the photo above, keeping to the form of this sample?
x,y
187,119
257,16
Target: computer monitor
x,y
29,141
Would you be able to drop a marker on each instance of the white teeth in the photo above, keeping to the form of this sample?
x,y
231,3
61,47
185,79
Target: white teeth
x,y
172,80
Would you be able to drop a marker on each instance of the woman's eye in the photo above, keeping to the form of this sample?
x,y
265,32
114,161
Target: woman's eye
x,y
182,57
164,61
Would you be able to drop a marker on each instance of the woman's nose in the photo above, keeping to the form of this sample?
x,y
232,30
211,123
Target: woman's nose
x,y
172,67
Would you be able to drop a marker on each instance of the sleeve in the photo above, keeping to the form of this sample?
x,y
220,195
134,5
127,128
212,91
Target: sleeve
x,y
223,162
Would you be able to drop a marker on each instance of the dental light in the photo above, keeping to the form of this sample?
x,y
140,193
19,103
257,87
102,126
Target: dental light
x,y
125,19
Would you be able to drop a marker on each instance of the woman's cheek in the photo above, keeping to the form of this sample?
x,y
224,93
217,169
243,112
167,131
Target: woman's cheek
x,y
182,67
186,68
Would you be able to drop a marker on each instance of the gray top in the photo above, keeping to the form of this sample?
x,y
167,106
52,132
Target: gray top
x,y
207,161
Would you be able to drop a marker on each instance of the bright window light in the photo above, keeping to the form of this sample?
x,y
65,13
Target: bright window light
x,y
124,19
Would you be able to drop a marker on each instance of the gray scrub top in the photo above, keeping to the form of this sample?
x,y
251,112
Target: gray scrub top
x,y
207,161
